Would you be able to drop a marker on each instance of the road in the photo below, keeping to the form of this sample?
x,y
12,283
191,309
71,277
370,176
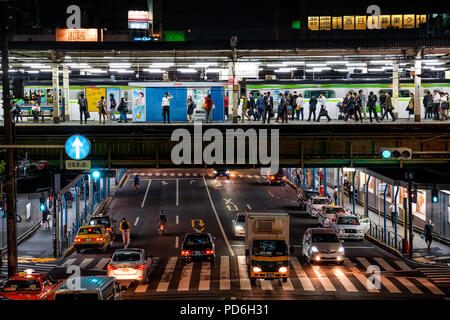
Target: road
x,y
186,195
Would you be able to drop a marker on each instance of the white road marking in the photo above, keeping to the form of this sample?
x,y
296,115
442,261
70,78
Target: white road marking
x,y
430,286
141,288
305,281
265,284
205,276
176,200
344,280
362,278
167,275
218,220
185,279
287,286
176,242
68,262
408,284
364,262
384,264
270,193
326,283
224,273
403,265
136,222
243,274
85,262
146,192
177,219
101,264
248,206
389,285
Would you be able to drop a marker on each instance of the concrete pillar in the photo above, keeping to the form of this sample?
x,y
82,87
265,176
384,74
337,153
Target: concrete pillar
x,y
55,86
395,85
66,92
417,86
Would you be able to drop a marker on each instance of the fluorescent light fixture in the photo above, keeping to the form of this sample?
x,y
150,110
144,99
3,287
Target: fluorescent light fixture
x,y
438,69
429,60
337,62
348,169
121,70
356,64
342,70
162,65
45,70
33,71
204,64
67,57
381,61
322,68
427,67
296,63
316,64
154,70
185,70
95,71
216,70
434,63
276,65
120,65
32,64
41,67
375,69
285,69
79,65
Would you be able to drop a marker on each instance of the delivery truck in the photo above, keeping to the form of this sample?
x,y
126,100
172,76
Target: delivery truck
x,y
267,244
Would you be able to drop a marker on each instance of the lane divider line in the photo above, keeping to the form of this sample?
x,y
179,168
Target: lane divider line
x,y
136,222
177,195
176,242
218,220
146,192
177,220
248,206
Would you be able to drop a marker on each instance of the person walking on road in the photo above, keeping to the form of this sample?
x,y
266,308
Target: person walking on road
x,y
428,230
125,227
82,102
101,106
166,106
392,209
136,182
335,194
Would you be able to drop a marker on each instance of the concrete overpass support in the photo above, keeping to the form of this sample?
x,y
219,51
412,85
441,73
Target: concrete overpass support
x,y
66,93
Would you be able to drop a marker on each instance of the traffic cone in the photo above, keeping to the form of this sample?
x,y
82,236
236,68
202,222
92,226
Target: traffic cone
x,y
406,246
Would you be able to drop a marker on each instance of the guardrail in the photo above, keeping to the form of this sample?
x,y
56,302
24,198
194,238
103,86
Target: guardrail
x,y
385,236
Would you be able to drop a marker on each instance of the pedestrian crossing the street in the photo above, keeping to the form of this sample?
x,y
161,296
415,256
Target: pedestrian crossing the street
x,y
230,273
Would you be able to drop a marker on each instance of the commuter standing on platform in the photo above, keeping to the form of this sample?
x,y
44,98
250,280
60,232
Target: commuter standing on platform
x,y
123,109
351,108
425,100
226,104
294,104
35,110
372,105
299,106
363,99
166,106
436,100
101,106
358,114
383,103
82,102
244,109
389,107
312,107
410,107
190,108
443,106
209,107
268,107
112,108
252,106
260,106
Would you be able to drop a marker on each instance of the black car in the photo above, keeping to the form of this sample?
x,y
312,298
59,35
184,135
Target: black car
x,y
221,172
106,221
277,178
197,247
304,196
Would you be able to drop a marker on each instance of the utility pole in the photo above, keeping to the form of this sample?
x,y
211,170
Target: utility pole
x,y
410,214
9,140
233,42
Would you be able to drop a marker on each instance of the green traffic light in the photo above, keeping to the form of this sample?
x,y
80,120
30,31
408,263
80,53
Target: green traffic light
x,y
386,154
96,174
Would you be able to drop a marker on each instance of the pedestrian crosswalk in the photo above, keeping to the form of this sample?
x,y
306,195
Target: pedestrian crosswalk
x,y
230,273
439,275
191,174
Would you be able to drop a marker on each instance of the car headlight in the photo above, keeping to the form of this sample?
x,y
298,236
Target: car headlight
x,y
215,171
227,172
341,250
341,230
239,228
282,269
314,249
257,269
361,231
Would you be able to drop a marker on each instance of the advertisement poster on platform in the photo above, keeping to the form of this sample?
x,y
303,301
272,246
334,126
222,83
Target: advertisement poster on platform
x,y
199,95
138,105
92,96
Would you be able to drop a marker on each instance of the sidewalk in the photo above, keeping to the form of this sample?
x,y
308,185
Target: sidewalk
x,y
439,253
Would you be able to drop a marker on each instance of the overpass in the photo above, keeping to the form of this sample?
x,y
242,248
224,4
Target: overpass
x,y
334,144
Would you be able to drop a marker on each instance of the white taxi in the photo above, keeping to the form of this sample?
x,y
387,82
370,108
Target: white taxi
x,y
314,204
130,264
347,226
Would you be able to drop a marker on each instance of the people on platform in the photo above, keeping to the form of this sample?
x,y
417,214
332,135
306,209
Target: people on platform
x,y
101,106
443,106
83,105
190,103
123,109
165,104
260,106
388,108
410,107
372,106
112,107
245,108
35,111
209,106
268,107
312,107
16,112
323,108
299,106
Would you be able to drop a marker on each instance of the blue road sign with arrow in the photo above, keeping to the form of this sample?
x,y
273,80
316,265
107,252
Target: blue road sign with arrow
x,y
78,147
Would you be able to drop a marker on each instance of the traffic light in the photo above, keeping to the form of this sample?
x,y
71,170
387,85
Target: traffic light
x,y
42,204
434,196
413,195
396,153
96,173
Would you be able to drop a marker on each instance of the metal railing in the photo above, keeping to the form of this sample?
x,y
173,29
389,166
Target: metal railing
x,y
386,236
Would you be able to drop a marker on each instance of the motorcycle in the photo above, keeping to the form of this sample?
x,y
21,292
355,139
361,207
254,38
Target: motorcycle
x,y
162,229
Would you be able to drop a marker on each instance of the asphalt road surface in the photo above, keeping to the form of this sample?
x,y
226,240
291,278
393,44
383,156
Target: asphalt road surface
x,y
187,195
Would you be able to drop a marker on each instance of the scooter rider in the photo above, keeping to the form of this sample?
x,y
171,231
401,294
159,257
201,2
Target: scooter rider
x,y
162,220
136,182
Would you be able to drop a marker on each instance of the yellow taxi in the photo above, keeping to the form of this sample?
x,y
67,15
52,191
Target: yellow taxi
x,y
94,236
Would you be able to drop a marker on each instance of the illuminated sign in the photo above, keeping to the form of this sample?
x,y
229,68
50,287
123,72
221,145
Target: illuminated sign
x,y
409,21
138,15
349,22
360,23
422,18
337,22
142,39
138,25
77,35
325,23
397,21
313,23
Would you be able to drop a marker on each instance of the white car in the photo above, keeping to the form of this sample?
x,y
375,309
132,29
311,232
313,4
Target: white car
x,y
314,205
327,213
239,225
322,245
347,226
130,264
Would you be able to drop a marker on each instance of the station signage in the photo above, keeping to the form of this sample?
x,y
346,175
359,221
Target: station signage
x,y
362,22
78,164
76,35
139,20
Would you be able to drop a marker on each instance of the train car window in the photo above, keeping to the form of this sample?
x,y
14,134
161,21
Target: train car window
x,y
327,93
256,94
403,93
75,94
384,91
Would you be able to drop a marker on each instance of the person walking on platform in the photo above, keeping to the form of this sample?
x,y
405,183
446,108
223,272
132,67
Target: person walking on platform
x,y
392,210
350,103
123,109
299,106
436,98
252,106
244,109
428,230
209,106
294,104
190,108
312,107
323,108
112,107
166,106
383,103
83,104
372,105
268,108
362,97
101,106
389,107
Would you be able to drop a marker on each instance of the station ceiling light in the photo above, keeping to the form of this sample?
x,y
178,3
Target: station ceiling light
x,y
337,62
162,65
120,65
285,69
153,70
381,61
316,64
356,64
186,70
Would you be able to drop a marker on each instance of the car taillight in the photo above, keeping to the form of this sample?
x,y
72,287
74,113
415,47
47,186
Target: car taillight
x,y
161,227
209,252
185,252
140,267
110,267
98,239
273,178
108,229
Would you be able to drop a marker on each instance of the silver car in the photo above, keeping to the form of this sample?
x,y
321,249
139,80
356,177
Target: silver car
x,y
130,264
322,245
347,226
239,225
314,205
